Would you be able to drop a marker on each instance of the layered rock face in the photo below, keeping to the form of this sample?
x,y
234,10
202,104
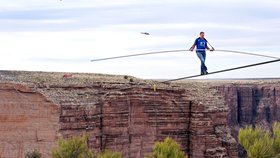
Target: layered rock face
x,y
202,116
127,119
27,121
252,104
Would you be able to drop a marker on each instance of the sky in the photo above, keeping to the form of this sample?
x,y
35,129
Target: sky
x,y
64,35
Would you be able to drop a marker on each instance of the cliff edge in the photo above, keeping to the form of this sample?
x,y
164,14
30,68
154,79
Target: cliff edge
x,y
126,114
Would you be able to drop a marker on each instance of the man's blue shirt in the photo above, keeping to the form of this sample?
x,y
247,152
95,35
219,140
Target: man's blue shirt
x,y
201,44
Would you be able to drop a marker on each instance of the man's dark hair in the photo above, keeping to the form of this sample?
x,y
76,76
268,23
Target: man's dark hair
x,y
201,32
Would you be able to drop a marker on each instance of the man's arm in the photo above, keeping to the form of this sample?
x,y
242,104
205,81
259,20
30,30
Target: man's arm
x,y
209,48
192,48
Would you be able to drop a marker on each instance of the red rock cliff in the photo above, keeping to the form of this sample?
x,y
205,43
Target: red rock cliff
x,y
28,121
37,108
254,103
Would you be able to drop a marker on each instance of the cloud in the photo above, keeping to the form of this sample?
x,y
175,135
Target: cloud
x,y
64,35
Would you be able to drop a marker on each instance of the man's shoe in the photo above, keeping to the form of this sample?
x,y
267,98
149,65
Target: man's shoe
x,y
205,73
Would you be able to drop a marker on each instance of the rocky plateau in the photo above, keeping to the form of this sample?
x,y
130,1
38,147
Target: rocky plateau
x,y
126,114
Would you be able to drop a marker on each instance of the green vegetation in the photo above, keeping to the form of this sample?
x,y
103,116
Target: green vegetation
x,y
128,78
276,136
167,149
33,154
75,147
109,154
260,143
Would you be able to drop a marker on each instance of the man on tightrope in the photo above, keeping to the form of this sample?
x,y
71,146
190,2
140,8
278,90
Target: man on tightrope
x,y
201,44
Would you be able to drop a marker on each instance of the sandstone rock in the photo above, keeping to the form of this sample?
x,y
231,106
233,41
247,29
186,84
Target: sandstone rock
x,y
28,121
36,108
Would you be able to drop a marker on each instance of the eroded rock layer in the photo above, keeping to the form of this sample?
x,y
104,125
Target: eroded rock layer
x,y
28,121
127,114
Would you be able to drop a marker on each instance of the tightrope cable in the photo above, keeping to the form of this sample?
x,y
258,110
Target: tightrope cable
x,y
277,59
225,70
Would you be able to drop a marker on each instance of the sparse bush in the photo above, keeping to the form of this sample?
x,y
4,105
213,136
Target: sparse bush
x,y
125,77
109,154
33,154
260,143
131,80
75,147
167,149
276,136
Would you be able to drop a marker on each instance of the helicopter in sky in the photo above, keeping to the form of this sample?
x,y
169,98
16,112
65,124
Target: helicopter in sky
x,y
145,33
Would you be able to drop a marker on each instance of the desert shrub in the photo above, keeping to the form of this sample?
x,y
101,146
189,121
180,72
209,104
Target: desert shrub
x,y
260,143
167,149
33,154
109,154
75,147
276,136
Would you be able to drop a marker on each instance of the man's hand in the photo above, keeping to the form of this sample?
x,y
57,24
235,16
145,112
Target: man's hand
x,y
212,49
192,47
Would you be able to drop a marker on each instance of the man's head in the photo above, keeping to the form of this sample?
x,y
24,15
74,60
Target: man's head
x,y
201,34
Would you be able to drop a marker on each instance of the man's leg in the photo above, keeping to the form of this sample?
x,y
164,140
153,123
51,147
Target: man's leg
x,y
201,57
203,65
202,60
